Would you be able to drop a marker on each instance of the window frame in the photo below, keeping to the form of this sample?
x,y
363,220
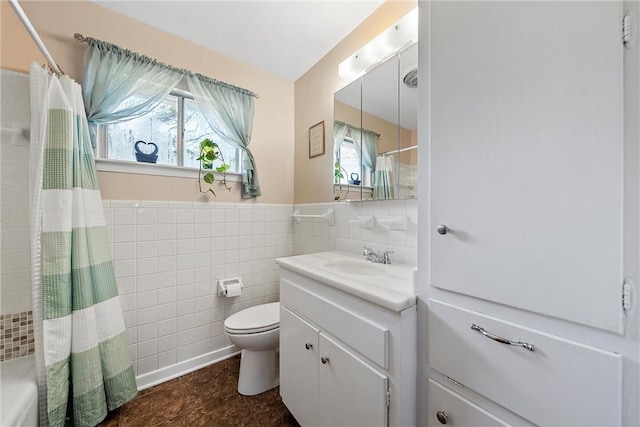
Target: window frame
x,y
365,174
104,163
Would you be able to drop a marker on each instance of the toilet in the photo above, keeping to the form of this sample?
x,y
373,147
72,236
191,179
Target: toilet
x,y
256,330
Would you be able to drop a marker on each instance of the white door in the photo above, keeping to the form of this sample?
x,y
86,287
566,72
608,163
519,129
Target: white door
x,y
526,155
299,367
351,392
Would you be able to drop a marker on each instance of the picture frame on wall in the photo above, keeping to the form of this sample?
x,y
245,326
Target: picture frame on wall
x,y
316,140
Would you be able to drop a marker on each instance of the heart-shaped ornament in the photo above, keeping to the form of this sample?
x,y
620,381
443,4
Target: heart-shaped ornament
x,y
143,156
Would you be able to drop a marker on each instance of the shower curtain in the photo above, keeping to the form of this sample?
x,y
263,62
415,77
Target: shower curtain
x,y
383,178
84,366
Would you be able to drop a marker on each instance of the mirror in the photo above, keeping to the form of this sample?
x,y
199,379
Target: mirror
x,y
375,132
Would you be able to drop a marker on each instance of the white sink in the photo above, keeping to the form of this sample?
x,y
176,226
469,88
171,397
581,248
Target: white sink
x,y
389,285
356,268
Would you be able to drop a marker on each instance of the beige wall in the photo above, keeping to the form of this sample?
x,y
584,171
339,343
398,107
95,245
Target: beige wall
x,y
314,102
272,142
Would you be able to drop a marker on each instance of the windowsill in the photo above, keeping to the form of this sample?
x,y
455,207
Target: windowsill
x,y
141,168
351,187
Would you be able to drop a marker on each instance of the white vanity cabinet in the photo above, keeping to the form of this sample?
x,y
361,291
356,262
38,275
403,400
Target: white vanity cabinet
x,y
528,186
324,381
345,361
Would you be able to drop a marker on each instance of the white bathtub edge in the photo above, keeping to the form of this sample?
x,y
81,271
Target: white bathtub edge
x,y
167,373
18,392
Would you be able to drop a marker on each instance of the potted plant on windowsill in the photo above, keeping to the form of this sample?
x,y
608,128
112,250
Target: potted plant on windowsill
x,y
337,175
209,153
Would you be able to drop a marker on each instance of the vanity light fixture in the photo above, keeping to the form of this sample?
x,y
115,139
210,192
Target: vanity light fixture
x,y
399,36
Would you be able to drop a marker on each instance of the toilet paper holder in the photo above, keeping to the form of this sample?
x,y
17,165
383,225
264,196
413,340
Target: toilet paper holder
x,y
232,283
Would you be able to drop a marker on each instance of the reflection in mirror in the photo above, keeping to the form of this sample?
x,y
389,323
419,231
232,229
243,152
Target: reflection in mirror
x,y
346,129
380,113
375,133
407,156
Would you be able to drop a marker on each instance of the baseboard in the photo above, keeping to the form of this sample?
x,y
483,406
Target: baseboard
x,y
174,371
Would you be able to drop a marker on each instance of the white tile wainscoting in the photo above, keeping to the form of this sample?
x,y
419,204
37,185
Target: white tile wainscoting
x,y
168,257
316,235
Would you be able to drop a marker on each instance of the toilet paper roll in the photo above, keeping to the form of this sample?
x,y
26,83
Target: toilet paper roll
x,y
234,290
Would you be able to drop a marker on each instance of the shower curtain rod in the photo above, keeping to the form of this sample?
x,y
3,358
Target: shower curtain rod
x,y
53,66
413,147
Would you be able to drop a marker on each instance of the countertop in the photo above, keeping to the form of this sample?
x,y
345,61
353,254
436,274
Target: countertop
x,y
391,287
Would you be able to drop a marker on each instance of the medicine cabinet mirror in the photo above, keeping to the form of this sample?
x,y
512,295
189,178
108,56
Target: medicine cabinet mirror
x,y
375,132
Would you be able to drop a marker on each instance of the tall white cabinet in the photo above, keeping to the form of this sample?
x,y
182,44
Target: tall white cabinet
x,y
527,214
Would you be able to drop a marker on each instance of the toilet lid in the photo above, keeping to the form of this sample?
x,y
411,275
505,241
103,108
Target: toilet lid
x,y
254,319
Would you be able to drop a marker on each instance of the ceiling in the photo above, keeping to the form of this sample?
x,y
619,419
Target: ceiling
x,y
283,37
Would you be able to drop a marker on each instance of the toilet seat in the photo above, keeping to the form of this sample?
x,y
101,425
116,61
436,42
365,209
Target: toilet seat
x,y
253,320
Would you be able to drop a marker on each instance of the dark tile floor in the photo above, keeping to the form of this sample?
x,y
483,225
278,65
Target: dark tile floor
x,y
206,397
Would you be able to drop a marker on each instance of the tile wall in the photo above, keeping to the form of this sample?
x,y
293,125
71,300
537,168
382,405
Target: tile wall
x,y
16,335
15,284
317,236
168,257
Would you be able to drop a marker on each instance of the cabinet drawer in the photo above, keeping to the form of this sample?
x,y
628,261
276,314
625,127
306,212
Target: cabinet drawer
x,y
561,382
456,410
367,337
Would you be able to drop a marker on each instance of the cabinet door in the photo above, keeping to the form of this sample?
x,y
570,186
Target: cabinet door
x,y
526,155
351,392
299,367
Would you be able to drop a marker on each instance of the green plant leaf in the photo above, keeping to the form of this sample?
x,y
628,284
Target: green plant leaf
x,y
208,178
223,168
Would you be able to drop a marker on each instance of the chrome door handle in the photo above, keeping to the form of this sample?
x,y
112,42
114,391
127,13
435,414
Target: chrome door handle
x,y
324,360
501,340
443,229
308,346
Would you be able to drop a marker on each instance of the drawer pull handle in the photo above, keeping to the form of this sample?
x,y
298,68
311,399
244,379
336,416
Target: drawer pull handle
x,y
324,360
501,340
442,417
308,346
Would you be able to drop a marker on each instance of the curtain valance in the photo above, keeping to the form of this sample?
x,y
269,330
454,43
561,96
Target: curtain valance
x,y
113,49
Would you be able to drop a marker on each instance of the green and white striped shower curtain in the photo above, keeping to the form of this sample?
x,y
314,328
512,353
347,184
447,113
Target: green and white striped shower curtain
x,y
84,366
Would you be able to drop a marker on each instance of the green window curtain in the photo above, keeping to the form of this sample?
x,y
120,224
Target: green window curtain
x,y
340,130
229,111
120,85
367,144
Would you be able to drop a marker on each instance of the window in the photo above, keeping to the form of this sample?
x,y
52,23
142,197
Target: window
x,y
349,161
176,126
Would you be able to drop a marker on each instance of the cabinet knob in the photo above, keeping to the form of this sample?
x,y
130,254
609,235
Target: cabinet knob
x,y
324,360
308,346
442,417
443,229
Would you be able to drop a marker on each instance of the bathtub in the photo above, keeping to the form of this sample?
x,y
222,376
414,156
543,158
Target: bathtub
x,y
18,392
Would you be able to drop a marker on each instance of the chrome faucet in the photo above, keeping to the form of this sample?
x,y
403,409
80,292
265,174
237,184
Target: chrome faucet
x,y
377,257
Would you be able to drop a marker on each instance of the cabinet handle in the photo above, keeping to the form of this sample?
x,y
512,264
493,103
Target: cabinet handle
x,y
308,346
442,417
324,360
443,229
501,340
